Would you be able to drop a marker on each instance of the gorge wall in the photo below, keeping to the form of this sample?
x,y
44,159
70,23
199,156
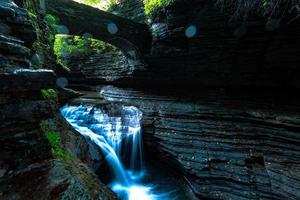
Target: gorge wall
x,y
29,98
226,145
223,52
239,139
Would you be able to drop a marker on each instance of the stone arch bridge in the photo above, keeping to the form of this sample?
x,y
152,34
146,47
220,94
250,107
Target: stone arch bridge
x,y
133,38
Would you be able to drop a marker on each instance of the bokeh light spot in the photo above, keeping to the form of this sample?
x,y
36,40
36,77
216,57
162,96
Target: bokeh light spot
x,y
112,28
191,31
62,82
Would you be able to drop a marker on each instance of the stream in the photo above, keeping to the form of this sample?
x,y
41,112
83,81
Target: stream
x,y
120,139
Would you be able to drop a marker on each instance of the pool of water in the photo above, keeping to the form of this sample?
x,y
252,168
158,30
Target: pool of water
x,y
120,139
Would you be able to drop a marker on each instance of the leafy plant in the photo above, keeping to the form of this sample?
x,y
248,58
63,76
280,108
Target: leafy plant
x,y
52,22
56,150
152,5
111,4
69,46
103,5
91,2
49,94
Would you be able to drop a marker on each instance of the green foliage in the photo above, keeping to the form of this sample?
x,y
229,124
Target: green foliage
x,y
50,94
31,15
42,45
69,46
152,5
52,22
112,4
91,2
105,5
57,151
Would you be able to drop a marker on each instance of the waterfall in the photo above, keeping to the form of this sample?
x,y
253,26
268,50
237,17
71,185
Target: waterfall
x,y
117,137
132,117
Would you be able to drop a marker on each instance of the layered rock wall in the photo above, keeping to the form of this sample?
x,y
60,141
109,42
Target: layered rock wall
x,y
111,66
226,146
223,52
27,170
257,52
16,37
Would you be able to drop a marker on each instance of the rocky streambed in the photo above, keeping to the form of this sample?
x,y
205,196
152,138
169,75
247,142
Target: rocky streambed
x,y
222,144
213,143
116,130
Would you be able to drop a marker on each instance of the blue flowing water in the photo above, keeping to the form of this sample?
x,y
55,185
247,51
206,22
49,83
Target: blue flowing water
x,y
116,135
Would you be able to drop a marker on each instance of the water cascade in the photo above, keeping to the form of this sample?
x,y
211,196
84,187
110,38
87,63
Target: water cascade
x,y
115,136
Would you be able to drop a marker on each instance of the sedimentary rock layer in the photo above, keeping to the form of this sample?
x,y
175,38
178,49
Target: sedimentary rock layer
x,y
54,179
226,146
222,52
16,37
26,168
108,67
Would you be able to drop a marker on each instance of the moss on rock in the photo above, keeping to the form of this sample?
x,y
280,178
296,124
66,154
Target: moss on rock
x,y
57,151
151,6
50,94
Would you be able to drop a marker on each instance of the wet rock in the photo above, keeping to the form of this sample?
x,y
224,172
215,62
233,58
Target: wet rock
x,y
223,53
66,94
16,37
18,20
54,179
22,109
74,143
13,48
37,59
106,67
27,80
26,171
4,29
226,145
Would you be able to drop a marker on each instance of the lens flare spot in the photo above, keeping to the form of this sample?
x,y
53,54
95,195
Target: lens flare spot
x,y
191,31
62,82
112,28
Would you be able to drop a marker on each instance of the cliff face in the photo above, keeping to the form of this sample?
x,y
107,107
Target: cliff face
x,y
22,105
226,146
27,168
110,66
195,44
223,53
16,36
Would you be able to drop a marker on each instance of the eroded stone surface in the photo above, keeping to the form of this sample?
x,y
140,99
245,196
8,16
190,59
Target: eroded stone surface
x,y
54,179
223,53
16,37
26,168
77,145
226,146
